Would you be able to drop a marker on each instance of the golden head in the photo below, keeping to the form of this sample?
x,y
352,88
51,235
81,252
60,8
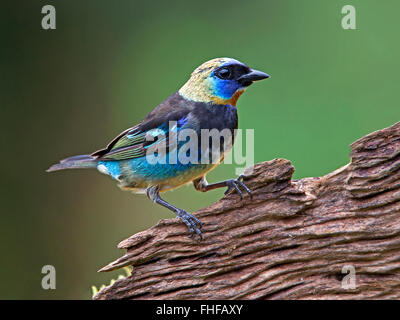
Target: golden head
x,y
220,81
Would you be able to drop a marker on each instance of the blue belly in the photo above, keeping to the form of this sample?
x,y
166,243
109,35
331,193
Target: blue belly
x,y
139,173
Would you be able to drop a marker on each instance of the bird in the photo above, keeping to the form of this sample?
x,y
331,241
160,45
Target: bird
x,y
207,101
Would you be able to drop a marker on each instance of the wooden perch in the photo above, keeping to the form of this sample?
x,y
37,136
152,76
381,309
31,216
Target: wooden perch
x,y
290,242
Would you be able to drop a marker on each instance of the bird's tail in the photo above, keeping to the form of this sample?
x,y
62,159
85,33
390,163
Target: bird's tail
x,y
76,162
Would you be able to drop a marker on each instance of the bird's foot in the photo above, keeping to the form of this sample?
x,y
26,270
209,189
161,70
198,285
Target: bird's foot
x,y
191,222
236,184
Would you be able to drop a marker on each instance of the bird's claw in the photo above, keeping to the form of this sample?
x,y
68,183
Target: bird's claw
x,y
235,184
191,222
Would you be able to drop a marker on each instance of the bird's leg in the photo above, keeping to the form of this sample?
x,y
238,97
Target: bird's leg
x,y
202,185
190,220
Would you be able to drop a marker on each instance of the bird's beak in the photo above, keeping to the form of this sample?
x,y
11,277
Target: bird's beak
x,y
253,75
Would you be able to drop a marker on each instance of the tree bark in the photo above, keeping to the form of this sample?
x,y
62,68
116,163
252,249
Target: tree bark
x,y
297,239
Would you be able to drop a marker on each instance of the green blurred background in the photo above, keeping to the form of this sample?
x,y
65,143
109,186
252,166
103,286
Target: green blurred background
x,y
69,91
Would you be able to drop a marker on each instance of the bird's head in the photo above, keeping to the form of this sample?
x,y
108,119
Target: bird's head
x,y
220,81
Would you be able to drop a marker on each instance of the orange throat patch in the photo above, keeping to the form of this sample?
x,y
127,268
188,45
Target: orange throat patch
x,y
232,101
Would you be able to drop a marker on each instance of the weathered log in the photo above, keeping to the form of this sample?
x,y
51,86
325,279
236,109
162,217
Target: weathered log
x,y
290,242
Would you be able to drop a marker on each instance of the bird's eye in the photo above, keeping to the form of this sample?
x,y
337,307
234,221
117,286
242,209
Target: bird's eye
x,y
223,73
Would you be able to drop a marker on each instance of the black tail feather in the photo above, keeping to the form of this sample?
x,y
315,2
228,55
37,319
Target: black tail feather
x,y
75,162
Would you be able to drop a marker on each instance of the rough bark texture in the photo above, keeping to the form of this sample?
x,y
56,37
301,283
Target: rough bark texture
x,y
290,242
